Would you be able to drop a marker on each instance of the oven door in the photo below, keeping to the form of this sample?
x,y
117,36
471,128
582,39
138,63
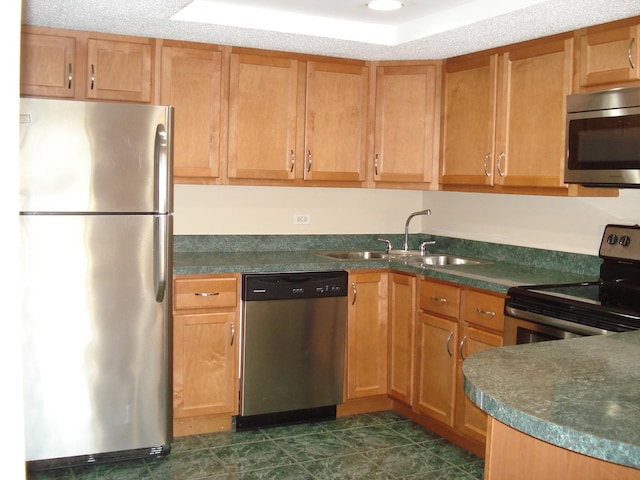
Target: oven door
x,y
518,331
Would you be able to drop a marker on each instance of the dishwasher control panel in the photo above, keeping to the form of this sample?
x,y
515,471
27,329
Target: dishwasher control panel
x,y
281,286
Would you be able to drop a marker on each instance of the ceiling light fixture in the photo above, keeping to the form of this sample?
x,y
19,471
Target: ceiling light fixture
x,y
385,5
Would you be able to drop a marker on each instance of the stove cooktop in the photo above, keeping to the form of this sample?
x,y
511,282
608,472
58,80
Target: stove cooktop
x,y
612,303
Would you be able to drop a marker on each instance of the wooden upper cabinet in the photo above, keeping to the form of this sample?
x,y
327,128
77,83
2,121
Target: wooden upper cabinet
x,y
119,70
609,56
530,143
263,117
335,126
47,67
468,131
191,81
504,118
405,123
84,65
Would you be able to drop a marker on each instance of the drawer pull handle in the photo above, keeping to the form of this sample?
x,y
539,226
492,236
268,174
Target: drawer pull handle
x,y
486,312
438,299
207,294
449,344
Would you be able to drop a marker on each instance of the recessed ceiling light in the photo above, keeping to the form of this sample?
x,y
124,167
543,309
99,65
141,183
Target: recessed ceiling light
x,y
385,5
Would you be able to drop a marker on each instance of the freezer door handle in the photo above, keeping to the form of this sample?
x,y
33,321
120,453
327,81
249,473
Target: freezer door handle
x,y
161,260
162,173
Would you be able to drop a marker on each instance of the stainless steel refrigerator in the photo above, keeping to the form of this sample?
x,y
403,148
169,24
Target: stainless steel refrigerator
x,y
96,248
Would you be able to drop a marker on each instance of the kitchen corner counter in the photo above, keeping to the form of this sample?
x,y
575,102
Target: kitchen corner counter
x,y
497,276
580,394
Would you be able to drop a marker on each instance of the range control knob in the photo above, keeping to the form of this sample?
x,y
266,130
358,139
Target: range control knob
x,y
625,240
612,239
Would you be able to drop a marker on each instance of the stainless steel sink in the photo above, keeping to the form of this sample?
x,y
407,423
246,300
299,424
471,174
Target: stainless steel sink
x,y
354,254
443,260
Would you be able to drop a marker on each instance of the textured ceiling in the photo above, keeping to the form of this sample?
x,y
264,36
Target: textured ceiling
x,y
424,29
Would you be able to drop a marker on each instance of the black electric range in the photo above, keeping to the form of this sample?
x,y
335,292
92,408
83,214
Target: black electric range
x,y
607,305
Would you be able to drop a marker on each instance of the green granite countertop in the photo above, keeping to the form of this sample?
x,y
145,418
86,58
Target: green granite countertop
x,y
496,276
580,394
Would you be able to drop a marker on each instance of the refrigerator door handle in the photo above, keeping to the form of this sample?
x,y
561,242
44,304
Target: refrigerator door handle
x,y
161,161
161,254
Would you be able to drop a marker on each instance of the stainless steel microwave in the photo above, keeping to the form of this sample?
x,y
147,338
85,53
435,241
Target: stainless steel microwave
x,y
603,138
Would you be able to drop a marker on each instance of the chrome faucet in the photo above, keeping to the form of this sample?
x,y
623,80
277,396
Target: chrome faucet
x,y
405,245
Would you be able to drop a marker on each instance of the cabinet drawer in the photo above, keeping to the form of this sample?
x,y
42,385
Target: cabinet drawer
x,y
439,298
192,293
483,309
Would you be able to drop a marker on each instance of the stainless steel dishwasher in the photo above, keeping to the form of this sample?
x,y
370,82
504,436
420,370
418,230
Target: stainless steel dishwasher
x,y
293,347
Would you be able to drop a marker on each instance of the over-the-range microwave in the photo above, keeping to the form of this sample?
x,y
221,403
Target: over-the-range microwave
x,y
603,138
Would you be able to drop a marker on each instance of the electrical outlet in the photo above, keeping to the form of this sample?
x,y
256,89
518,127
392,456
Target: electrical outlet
x,y
301,219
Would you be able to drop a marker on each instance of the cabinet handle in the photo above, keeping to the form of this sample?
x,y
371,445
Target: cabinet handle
x,y
461,346
93,76
438,299
233,332
629,55
355,293
500,157
486,312
293,161
484,165
375,164
70,76
309,160
449,344
206,294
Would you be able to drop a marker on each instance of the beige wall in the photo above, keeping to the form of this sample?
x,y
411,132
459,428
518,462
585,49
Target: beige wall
x,y
565,224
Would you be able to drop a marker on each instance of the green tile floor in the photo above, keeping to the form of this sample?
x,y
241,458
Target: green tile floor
x,y
372,446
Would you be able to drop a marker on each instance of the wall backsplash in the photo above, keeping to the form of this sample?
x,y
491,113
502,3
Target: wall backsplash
x,y
551,223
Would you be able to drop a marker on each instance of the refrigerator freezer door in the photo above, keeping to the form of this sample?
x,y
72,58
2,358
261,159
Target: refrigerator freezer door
x,y
94,157
96,339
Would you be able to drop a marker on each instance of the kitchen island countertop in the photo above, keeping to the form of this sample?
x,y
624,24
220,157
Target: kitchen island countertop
x,y
580,394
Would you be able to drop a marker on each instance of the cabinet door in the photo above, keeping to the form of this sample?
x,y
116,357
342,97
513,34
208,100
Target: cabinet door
x,y
118,70
469,121
367,335
530,145
610,56
336,122
47,65
263,121
402,311
470,419
204,364
405,123
437,347
191,81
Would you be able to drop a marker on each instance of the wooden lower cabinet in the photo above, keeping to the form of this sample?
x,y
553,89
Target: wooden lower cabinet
x,y
205,353
367,334
436,379
365,388
452,323
513,454
402,326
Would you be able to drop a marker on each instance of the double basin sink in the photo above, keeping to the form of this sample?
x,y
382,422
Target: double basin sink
x,y
411,257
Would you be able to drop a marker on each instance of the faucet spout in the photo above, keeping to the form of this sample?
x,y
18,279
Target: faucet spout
x,y
405,245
